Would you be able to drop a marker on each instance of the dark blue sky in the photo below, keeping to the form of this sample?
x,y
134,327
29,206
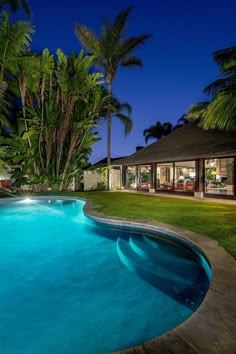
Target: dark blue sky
x,y
177,60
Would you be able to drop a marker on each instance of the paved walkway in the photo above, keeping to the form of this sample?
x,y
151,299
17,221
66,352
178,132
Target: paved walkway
x,y
212,328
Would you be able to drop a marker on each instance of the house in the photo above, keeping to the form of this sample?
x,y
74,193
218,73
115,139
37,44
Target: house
x,y
189,161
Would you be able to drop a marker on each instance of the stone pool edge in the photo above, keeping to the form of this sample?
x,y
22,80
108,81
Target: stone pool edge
x,y
212,327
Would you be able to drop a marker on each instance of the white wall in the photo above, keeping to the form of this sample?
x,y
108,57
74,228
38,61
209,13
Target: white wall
x,y
92,178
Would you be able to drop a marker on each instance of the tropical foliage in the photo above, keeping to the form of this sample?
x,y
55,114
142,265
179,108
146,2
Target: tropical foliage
x,y
14,39
61,103
220,111
61,99
112,50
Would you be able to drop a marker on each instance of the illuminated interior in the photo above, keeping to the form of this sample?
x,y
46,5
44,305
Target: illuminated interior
x,y
219,176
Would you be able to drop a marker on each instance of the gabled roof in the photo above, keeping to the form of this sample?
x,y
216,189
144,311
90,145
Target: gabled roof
x,y
187,143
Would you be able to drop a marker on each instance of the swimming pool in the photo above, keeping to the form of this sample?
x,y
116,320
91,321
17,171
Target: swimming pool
x,y
72,285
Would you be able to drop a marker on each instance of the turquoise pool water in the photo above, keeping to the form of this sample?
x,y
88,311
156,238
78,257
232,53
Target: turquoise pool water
x,y
69,285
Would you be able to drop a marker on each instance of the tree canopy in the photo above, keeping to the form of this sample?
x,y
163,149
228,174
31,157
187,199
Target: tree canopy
x,y
60,99
159,130
220,111
112,50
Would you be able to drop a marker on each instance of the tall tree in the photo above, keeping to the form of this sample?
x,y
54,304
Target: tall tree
x,y
112,50
220,111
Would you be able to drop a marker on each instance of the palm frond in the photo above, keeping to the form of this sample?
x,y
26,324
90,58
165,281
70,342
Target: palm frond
x,y
119,25
197,111
230,67
88,39
126,107
219,85
153,132
126,122
221,112
15,5
131,44
117,106
131,61
225,55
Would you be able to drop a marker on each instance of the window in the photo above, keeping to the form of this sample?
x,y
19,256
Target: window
x,y
144,177
164,177
219,176
131,177
185,176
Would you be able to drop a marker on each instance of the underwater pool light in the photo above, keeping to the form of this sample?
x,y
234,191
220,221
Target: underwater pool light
x,y
27,200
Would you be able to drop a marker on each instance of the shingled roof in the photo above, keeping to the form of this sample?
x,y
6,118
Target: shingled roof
x,y
187,143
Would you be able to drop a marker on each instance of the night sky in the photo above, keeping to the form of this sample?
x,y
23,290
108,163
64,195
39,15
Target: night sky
x,y
177,61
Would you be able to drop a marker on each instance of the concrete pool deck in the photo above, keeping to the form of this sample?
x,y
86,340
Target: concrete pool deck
x,y
212,328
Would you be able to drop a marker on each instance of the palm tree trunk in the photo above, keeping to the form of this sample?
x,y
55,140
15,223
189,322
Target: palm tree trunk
x,y
68,160
40,140
74,145
109,121
63,129
3,61
22,88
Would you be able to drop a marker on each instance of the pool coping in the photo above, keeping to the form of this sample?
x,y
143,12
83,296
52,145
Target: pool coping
x,y
212,327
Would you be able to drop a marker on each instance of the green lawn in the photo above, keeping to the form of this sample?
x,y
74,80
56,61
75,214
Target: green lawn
x,y
215,220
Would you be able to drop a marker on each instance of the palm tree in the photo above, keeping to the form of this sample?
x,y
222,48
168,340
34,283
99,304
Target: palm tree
x,y
153,132
111,51
160,130
15,5
220,111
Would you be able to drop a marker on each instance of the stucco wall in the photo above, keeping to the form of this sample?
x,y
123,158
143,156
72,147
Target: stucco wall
x,y
115,179
92,178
